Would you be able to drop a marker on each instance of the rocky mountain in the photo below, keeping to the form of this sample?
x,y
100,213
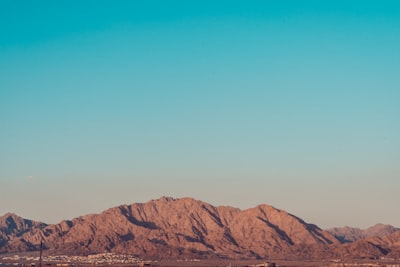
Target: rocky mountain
x,y
189,228
13,226
173,228
350,234
374,247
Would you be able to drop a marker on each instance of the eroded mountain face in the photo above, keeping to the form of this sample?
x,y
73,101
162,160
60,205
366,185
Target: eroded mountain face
x,y
182,228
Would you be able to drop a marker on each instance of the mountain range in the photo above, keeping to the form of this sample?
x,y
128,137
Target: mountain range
x,y
350,234
169,228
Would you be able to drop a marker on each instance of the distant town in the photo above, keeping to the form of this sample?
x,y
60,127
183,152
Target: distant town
x,y
64,260
112,259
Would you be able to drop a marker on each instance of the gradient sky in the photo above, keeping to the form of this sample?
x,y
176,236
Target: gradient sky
x,y
291,103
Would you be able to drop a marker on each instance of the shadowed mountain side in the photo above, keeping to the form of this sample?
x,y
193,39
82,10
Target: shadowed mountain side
x,y
173,228
13,226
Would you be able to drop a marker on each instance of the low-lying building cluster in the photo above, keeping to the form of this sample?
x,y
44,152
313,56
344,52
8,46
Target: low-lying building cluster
x,y
65,260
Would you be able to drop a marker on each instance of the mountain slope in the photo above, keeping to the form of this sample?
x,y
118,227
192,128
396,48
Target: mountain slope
x,y
351,234
372,247
173,228
13,226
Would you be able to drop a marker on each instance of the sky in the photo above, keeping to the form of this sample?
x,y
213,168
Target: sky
x,y
295,104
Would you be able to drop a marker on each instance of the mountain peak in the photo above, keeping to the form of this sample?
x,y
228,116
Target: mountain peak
x,y
12,225
10,215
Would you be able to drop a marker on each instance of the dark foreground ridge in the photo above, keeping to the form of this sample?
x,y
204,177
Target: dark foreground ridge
x,y
186,228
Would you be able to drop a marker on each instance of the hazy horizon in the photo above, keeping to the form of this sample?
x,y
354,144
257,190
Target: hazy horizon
x,y
294,104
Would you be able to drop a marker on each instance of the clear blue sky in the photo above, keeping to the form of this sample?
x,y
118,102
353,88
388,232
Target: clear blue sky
x,y
291,103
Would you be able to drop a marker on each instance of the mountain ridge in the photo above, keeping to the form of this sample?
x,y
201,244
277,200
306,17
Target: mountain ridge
x,y
189,228
349,234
